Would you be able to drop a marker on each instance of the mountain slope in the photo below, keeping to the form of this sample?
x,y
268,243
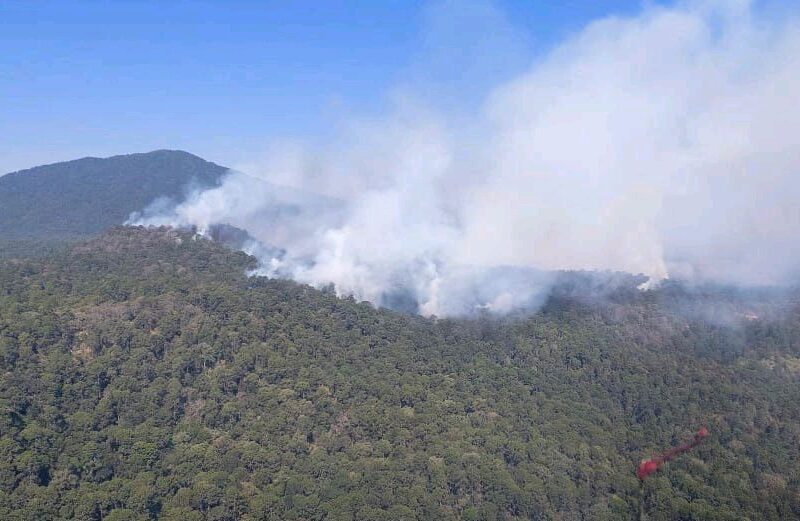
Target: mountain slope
x,y
144,376
64,201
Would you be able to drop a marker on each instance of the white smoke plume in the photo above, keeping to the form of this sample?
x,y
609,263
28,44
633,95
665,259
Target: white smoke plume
x,y
666,143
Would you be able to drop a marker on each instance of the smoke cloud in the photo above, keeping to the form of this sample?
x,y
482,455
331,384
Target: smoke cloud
x,y
665,144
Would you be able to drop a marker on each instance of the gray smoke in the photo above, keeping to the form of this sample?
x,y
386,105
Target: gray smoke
x,y
666,144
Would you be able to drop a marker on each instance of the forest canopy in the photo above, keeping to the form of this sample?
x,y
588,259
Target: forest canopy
x,y
144,375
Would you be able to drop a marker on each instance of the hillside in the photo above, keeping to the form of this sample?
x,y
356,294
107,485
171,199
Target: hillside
x,y
143,376
48,205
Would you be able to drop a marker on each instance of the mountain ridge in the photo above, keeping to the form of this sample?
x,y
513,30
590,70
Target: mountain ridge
x,y
49,205
155,152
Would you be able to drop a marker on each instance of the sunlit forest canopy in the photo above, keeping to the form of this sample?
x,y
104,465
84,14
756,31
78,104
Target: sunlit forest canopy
x,y
144,375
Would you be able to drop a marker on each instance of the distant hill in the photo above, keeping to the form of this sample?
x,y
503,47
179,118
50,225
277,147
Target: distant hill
x,y
45,206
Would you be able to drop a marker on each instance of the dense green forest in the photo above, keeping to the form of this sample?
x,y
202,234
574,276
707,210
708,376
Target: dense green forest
x,y
145,376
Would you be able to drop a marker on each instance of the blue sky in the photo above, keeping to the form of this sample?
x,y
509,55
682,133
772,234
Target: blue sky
x,y
222,79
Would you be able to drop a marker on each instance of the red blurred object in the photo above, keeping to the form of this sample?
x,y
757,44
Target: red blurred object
x,y
646,467
649,466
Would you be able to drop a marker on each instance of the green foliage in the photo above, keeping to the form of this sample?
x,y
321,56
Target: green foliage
x,y
144,376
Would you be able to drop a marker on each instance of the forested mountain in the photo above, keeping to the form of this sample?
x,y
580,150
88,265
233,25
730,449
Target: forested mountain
x,y
49,205
144,376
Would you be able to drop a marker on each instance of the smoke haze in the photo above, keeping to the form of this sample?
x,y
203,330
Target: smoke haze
x,y
666,144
